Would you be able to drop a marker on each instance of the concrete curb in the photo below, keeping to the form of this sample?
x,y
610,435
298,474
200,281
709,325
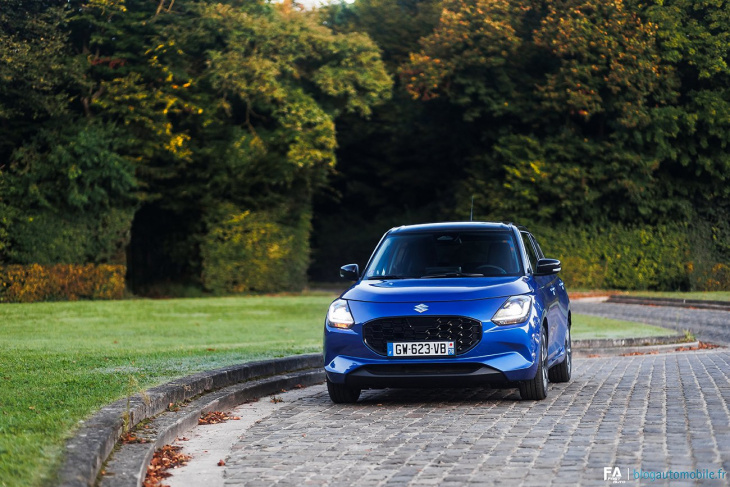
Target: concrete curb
x,y
625,342
127,466
95,440
680,303
620,346
615,351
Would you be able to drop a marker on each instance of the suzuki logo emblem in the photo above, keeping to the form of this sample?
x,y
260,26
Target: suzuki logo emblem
x,y
421,308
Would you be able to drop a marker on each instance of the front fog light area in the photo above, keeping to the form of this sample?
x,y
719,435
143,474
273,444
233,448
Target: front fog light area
x,y
515,310
339,315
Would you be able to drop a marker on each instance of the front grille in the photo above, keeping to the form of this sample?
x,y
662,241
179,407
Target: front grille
x,y
464,332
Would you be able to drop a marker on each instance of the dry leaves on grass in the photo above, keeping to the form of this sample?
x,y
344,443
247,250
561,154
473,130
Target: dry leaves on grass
x,y
163,460
215,417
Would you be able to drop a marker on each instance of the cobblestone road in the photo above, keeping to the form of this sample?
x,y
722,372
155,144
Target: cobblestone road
x,y
650,412
708,325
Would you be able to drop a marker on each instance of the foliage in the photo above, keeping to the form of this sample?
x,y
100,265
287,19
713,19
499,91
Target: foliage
x,y
602,116
60,282
77,168
247,111
717,279
557,94
187,107
255,251
693,133
620,257
36,68
47,237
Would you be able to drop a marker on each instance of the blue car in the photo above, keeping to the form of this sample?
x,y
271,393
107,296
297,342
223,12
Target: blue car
x,y
446,305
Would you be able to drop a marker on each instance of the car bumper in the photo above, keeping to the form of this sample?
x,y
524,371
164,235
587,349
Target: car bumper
x,y
504,353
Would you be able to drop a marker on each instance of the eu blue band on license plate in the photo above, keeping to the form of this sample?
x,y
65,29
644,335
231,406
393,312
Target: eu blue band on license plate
x,y
420,349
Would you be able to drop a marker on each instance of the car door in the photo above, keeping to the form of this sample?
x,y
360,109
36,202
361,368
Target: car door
x,y
542,282
557,318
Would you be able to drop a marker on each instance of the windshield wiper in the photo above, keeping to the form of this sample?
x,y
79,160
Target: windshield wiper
x,y
385,277
451,274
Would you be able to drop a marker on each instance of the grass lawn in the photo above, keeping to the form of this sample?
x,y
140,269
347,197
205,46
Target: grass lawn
x,y
708,296
587,326
60,362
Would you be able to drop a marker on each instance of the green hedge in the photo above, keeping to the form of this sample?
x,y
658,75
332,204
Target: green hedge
x,y
664,257
260,251
47,238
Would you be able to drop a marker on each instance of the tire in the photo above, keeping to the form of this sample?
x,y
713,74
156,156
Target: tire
x,y
561,372
341,394
537,388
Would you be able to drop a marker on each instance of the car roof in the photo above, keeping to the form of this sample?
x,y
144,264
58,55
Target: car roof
x,y
451,227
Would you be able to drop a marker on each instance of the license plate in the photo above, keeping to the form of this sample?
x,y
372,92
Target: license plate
x,y
420,349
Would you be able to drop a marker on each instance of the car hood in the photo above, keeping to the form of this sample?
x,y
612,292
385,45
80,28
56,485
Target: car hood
x,y
443,289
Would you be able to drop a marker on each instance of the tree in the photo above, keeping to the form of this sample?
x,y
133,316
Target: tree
x,y
692,133
232,106
187,111
560,92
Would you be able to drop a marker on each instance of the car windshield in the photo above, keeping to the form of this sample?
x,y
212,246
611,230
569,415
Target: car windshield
x,y
436,255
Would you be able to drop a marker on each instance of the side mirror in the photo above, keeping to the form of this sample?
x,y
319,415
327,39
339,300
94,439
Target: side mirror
x,y
546,267
351,272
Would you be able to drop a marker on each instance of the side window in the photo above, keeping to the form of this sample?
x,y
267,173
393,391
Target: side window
x,y
540,255
530,250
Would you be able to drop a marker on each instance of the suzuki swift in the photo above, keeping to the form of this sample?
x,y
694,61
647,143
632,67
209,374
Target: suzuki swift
x,y
447,305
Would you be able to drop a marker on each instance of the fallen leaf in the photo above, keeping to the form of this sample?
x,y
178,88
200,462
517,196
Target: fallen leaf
x,y
131,438
164,459
221,463
215,417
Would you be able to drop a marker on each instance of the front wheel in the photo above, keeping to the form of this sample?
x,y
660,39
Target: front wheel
x,y
537,388
341,394
562,371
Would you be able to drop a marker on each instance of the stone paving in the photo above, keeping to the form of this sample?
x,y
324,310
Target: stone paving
x,y
650,412
708,325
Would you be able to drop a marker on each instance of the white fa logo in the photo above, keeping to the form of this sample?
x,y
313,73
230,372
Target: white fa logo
x,y
613,474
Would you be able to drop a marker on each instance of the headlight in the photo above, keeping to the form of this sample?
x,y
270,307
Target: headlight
x,y
515,310
339,315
